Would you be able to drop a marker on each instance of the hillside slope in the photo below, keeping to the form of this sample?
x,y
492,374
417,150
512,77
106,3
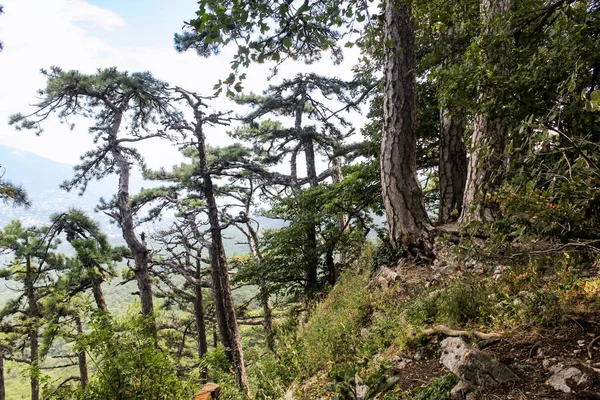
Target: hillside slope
x,y
382,336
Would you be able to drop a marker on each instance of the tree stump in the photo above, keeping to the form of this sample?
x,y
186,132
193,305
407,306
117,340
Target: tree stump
x,y
210,391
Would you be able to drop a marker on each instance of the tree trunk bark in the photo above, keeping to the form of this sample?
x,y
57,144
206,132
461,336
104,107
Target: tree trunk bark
x,y
453,165
338,177
310,249
223,298
407,219
34,362
33,315
200,323
268,324
311,255
83,369
487,143
138,248
99,295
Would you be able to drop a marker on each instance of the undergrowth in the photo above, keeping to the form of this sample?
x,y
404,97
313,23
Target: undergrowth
x,y
350,336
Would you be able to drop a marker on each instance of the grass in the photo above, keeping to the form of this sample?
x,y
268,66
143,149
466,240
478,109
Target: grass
x,y
354,332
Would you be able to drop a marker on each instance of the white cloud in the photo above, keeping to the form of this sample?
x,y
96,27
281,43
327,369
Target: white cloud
x,y
81,11
41,33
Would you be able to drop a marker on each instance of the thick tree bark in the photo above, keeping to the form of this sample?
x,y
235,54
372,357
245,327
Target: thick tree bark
x,y
487,143
200,322
99,294
138,248
453,165
407,219
82,361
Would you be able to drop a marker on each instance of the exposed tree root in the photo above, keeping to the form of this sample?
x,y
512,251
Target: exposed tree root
x,y
444,330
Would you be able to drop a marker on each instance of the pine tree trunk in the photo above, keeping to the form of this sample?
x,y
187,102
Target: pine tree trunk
x,y
83,369
487,143
268,324
485,166
222,296
310,249
338,177
200,322
138,248
407,219
311,255
453,165
99,295
32,315
34,362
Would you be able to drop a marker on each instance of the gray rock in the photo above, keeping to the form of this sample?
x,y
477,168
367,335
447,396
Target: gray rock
x,y
476,369
560,375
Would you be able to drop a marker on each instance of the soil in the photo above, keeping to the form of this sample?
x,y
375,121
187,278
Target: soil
x,y
530,354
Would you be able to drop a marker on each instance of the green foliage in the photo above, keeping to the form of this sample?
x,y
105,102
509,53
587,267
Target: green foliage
x,y
128,364
333,334
439,389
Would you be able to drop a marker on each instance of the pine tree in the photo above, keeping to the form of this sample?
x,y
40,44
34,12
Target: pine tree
x,y
112,96
34,266
304,31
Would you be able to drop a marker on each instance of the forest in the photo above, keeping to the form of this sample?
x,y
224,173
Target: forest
x,y
460,222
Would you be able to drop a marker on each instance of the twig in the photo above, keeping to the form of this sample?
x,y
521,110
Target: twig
x,y
589,346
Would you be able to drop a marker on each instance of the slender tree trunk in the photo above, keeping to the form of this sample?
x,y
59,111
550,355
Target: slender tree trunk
x,y
2,381
34,362
223,298
311,255
138,247
268,324
310,250
83,369
254,246
453,165
200,322
33,316
338,177
484,173
407,219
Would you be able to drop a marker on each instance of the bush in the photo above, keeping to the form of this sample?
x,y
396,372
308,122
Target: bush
x,y
128,364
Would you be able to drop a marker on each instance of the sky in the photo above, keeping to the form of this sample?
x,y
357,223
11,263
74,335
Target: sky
x,y
133,35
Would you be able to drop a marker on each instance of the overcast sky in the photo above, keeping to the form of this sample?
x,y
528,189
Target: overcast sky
x,y
133,35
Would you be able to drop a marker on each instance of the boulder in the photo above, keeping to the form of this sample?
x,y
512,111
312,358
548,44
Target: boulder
x,y
477,370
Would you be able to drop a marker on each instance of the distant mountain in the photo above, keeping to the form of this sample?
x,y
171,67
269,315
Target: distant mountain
x,y
41,178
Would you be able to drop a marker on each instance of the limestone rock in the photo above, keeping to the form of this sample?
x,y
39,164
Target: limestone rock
x,y
384,279
562,374
476,369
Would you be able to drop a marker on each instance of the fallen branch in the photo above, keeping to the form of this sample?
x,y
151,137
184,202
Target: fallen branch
x,y
444,330
589,347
